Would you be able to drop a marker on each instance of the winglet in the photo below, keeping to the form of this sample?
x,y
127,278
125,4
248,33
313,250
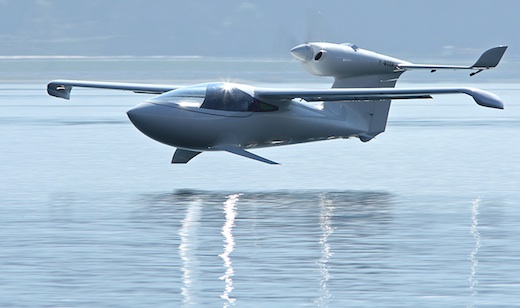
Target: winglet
x,y
239,151
490,58
57,89
484,98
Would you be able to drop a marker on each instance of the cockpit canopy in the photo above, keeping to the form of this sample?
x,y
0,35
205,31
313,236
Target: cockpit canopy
x,y
217,96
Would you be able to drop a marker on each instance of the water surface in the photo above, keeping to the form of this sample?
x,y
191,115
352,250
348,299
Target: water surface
x,y
92,214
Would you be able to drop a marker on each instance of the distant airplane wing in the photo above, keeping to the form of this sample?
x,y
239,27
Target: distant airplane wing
x,y
481,97
489,59
62,88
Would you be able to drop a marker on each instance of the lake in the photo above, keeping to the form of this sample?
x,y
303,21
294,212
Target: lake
x,y
92,213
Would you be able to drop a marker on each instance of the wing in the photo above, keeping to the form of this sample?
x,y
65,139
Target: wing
x,y
62,88
481,97
489,59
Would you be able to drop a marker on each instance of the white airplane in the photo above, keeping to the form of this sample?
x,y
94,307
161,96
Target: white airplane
x,y
235,118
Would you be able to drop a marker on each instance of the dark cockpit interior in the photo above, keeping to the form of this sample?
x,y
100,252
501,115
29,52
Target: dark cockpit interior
x,y
223,97
216,96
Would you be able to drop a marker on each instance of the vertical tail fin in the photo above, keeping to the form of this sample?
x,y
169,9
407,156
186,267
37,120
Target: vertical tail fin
x,y
375,113
490,58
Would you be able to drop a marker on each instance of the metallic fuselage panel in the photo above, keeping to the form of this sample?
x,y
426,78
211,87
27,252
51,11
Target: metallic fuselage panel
x,y
198,129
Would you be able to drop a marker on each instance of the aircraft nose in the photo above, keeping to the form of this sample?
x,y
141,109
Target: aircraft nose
x,y
139,113
302,52
145,117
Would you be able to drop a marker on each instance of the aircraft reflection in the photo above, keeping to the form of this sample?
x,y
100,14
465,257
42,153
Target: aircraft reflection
x,y
187,249
326,215
229,245
473,255
285,236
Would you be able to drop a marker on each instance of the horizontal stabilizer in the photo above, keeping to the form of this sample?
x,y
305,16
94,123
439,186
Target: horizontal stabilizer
x,y
489,59
62,88
239,151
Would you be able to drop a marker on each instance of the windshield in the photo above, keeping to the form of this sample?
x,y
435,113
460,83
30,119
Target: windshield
x,y
191,96
217,96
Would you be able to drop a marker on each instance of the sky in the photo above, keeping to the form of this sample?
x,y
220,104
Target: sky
x,y
264,29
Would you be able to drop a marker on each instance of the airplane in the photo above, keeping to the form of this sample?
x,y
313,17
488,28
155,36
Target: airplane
x,y
235,118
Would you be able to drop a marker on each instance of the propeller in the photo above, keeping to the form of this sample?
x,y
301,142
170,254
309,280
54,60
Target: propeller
x,y
317,29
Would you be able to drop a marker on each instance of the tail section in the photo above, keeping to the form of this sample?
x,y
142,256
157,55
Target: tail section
x,y
373,113
370,117
367,117
354,67
379,117
488,60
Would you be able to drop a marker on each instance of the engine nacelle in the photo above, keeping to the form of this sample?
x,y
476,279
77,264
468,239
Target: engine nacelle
x,y
352,66
347,62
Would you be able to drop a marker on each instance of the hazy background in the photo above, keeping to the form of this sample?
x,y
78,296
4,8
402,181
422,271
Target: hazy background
x,y
268,29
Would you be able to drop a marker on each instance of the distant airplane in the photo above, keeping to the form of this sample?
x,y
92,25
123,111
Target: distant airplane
x,y
235,118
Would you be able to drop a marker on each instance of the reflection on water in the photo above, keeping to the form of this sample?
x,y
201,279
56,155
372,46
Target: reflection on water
x,y
473,255
280,237
300,248
285,240
187,249
229,245
326,215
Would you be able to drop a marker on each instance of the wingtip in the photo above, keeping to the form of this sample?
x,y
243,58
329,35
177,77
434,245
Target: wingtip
x,y
56,89
486,99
